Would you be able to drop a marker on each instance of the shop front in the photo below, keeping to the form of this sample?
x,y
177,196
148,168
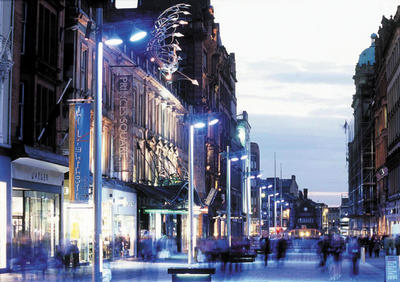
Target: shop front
x,y
36,205
5,199
119,229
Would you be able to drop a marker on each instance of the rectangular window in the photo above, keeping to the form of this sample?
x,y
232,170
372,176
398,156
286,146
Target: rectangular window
x,y
106,146
23,21
84,67
48,26
107,97
21,111
45,103
205,67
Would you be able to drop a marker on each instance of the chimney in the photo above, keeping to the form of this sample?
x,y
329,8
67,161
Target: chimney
x,y
293,177
305,193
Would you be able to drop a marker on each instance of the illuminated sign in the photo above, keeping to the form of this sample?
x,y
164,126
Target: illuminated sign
x,y
79,140
242,135
123,116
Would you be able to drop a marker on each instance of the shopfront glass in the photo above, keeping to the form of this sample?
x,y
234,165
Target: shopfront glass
x,y
118,225
36,216
79,228
3,224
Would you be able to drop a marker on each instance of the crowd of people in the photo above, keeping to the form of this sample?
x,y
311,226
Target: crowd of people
x,y
330,249
35,256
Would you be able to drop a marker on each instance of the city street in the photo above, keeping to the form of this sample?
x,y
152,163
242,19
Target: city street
x,y
292,270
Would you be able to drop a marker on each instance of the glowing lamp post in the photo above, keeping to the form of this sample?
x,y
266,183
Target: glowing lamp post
x,y
234,158
269,207
193,126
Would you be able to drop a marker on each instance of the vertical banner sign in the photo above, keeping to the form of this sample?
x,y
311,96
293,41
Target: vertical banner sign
x,y
123,124
79,141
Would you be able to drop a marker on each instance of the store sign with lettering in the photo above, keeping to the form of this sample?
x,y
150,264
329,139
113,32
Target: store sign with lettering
x,y
123,126
79,141
36,174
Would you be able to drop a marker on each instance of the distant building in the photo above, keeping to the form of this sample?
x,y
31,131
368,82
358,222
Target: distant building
x,y
255,188
390,58
362,188
334,220
344,215
307,213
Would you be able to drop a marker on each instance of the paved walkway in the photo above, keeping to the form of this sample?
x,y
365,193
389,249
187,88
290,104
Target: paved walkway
x,y
291,270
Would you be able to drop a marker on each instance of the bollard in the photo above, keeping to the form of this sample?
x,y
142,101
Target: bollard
x,y
363,254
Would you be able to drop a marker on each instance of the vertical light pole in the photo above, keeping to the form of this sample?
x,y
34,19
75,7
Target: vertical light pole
x,y
274,190
229,160
191,186
228,197
248,188
97,185
260,210
191,193
269,207
281,194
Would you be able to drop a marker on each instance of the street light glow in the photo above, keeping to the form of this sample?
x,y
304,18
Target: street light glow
x,y
199,124
138,36
270,186
113,41
259,175
126,4
214,121
243,157
234,159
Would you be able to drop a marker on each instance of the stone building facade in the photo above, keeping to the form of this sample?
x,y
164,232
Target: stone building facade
x,y
205,59
362,188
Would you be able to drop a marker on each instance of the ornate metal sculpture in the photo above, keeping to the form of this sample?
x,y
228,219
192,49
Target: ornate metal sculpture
x,y
163,46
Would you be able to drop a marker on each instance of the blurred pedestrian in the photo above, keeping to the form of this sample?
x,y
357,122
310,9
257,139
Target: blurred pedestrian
x,y
388,245
41,259
355,251
377,246
323,249
397,244
371,245
266,247
74,256
59,260
336,249
281,250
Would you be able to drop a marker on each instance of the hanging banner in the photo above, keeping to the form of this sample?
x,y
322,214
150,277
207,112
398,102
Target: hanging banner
x,y
79,141
123,126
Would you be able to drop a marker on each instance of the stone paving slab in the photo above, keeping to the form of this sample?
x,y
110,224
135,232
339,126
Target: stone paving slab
x,y
256,271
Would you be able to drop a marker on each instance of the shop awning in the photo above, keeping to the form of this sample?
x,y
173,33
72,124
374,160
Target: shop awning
x,y
27,155
168,196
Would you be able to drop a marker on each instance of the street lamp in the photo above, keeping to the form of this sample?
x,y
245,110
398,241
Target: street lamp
x,y
164,21
230,159
192,127
269,207
257,175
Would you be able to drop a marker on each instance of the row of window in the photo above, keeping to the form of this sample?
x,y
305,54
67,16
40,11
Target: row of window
x,y
394,181
393,59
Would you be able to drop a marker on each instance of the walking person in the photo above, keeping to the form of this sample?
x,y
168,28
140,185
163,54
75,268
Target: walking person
x,y
355,251
336,249
377,246
397,244
75,257
266,248
371,245
281,251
